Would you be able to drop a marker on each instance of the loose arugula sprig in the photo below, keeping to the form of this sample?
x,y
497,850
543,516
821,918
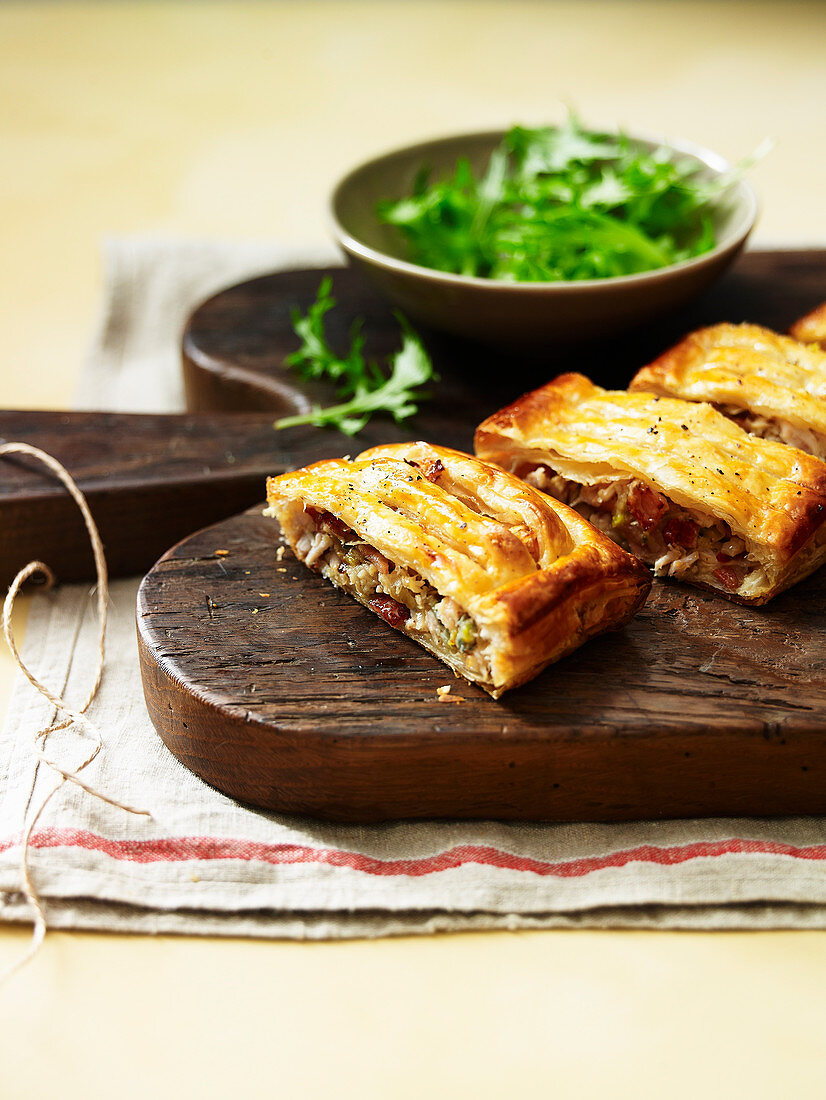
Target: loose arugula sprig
x,y
367,388
561,203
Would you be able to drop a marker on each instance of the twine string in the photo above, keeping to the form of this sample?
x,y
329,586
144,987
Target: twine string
x,y
64,716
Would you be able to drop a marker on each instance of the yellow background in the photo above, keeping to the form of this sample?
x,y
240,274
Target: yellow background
x,y
220,119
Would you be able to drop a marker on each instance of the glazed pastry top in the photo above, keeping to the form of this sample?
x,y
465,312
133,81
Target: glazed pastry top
x,y
465,525
771,495
746,367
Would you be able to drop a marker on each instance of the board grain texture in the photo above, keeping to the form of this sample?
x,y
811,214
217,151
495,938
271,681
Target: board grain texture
x,y
283,692
286,694
234,346
149,480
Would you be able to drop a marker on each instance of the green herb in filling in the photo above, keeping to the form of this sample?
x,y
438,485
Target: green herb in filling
x,y
619,517
465,637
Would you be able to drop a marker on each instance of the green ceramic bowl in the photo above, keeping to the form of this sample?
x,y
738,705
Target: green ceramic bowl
x,y
519,314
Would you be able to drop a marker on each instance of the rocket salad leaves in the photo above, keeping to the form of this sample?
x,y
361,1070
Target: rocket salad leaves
x,y
560,203
364,385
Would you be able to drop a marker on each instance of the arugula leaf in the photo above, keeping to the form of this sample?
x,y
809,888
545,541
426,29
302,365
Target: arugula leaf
x,y
561,203
367,387
610,191
314,358
555,149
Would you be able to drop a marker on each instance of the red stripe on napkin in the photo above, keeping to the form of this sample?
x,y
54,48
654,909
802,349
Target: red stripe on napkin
x,y
178,849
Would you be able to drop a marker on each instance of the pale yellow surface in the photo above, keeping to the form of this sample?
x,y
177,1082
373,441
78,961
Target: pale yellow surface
x,y
233,119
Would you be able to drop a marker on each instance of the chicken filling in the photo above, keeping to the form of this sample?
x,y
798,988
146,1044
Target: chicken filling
x,y
653,529
768,428
402,597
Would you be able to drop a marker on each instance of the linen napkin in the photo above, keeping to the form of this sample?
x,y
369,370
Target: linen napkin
x,y
204,864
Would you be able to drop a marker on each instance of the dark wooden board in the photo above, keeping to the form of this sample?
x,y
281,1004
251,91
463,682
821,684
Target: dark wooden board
x,y
699,707
282,692
149,480
235,344
302,701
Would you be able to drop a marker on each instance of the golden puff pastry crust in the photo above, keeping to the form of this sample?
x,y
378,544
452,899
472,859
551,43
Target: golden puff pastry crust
x,y
492,576
772,385
811,329
678,483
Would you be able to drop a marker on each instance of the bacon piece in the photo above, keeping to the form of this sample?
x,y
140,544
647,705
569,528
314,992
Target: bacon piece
x,y
330,524
681,532
431,467
646,506
335,526
391,610
728,577
376,557
432,470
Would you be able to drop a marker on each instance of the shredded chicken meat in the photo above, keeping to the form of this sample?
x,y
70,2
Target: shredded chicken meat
x,y
658,532
768,428
402,597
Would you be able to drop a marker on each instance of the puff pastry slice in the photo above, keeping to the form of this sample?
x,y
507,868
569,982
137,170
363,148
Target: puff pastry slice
x,y
678,484
772,386
489,574
811,329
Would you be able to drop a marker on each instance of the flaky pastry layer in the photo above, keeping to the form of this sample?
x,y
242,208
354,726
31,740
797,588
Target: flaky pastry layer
x,y
811,329
695,462
490,575
747,369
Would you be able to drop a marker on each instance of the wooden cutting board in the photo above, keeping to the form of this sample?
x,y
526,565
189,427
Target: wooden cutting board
x,y
149,479
284,693
234,346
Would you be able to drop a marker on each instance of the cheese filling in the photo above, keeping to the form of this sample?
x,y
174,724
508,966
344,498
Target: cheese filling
x,y
402,597
655,530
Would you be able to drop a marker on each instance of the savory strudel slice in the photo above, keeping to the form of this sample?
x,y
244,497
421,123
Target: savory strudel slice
x,y
678,484
771,385
811,329
490,575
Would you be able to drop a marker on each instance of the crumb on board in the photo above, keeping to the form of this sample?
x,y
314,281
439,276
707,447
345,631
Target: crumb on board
x,y
221,553
255,611
264,595
445,696
281,570
280,552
